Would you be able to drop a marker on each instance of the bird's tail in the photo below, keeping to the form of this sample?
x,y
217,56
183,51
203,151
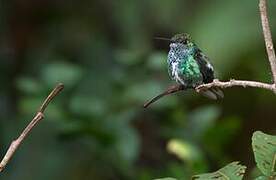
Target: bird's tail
x,y
213,93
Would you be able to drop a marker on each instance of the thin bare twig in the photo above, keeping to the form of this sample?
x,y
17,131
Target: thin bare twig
x,y
38,117
268,38
216,83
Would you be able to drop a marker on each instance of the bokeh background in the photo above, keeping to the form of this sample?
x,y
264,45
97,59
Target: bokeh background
x,y
106,55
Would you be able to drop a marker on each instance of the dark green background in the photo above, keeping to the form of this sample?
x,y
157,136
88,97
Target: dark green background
x,y
105,54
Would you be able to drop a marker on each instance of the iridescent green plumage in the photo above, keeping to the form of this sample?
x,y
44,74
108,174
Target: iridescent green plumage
x,y
187,65
189,70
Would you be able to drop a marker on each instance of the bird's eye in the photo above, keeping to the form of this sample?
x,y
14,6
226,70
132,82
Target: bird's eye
x,y
185,41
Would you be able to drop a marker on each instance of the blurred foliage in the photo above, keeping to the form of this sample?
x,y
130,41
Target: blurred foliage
x,y
105,54
264,151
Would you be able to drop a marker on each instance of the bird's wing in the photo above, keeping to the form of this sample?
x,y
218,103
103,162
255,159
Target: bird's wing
x,y
207,72
205,66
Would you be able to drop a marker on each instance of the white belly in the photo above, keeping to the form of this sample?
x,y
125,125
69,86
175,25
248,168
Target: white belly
x,y
175,73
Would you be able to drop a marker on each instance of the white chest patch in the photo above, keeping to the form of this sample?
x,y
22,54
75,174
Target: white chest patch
x,y
175,73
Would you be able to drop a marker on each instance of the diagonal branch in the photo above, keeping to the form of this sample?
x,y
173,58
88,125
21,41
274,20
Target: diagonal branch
x,y
38,117
268,38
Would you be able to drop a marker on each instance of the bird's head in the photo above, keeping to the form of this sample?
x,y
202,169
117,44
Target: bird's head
x,y
184,39
179,40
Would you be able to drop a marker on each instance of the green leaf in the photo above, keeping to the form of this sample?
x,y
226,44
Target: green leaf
x,y
167,178
264,148
233,171
262,178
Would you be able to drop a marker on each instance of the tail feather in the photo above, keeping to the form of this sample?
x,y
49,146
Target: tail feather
x,y
218,92
213,93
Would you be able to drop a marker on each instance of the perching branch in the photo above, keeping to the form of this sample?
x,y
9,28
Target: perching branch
x,y
271,57
232,82
38,117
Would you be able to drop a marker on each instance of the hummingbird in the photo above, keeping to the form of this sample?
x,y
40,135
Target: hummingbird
x,y
189,67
